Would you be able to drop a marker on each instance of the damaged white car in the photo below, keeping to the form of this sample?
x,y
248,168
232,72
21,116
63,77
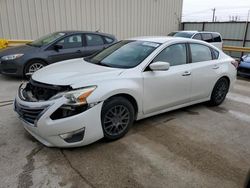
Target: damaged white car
x,y
79,101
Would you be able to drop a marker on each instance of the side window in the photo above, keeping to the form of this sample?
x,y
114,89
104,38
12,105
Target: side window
x,y
94,40
200,53
197,36
73,41
108,40
175,55
217,37
215,53
207,37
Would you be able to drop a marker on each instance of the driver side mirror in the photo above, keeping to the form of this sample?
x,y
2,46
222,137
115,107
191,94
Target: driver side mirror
x,y
159,66
57,47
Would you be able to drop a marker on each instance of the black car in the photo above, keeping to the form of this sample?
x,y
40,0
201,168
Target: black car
x,y
26,59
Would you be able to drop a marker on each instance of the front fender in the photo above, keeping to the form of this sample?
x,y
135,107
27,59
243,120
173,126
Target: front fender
x,y
105,90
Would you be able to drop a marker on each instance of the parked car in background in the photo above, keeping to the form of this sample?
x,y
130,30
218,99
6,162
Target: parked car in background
x,y
213,38
26,59
79,101
244,66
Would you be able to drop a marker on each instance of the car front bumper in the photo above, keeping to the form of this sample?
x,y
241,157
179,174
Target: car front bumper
x,y
11,67
244,69
48,131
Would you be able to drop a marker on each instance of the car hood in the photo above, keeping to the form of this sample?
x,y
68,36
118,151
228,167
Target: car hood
x,y
75,72
17,50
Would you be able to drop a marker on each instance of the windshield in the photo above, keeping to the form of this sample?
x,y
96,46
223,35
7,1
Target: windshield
x,y
181,34
46,39
124,54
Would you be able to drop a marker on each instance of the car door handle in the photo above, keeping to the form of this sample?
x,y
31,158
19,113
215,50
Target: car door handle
x,y
186,73
216,66
78,51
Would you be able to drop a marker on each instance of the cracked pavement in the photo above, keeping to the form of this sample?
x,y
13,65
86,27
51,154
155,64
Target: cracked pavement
x,y
197,146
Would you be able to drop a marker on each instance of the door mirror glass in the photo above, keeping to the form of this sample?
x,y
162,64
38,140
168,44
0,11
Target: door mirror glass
x,y
159,66
57,47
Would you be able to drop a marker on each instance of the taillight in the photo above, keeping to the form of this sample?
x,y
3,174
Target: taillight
x,y
235,63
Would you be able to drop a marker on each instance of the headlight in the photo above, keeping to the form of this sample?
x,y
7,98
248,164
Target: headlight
x,y
76,97
11,57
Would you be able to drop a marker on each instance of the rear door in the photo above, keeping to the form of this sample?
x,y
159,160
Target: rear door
x,y
204,70
93,43
72,47
165,89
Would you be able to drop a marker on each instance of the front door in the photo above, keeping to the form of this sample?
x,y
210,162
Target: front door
x,y
165,89
72,47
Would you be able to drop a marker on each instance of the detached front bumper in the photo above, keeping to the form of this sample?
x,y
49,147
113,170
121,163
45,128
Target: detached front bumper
x,y
36,119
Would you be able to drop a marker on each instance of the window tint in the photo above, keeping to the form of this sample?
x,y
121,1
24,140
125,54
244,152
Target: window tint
x,y
108,40
200,52
217,37
94,40
124,54
197,36
73,41
207,37
215,53
175,55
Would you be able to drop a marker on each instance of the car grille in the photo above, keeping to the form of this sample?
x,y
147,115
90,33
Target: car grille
x,y
29,115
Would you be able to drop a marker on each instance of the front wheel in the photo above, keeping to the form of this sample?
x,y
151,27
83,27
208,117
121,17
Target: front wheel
x,y
117,116
219,92
33,66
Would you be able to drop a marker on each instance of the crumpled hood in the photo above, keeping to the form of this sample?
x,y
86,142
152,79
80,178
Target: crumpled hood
x,y
18,50
75,72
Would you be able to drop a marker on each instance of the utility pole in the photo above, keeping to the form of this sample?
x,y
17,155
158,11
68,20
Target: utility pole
x,y
213,14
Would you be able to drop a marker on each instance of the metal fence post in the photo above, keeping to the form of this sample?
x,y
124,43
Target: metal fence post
x,y
203,26
245,36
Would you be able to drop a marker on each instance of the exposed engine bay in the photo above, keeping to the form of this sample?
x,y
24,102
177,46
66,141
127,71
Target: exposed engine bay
x,y
34,91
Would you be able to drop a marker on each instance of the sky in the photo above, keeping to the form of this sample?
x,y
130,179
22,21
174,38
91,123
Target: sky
x,y
201,10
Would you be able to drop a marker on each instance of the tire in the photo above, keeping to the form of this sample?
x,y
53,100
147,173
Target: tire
x,y
35,65
219,92
117,117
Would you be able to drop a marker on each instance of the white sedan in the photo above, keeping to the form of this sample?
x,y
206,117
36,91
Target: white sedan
x,y
79,101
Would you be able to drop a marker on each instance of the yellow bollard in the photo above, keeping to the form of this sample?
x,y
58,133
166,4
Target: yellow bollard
x,y
3,43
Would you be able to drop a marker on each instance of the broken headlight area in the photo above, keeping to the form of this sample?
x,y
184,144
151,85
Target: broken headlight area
x,y
76,102
34,91
68,110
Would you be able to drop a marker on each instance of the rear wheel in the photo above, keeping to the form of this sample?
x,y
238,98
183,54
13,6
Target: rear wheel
x,y
33,66
117,116
219,92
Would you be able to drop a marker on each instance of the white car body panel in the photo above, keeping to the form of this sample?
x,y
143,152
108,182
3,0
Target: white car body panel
x,y
154,91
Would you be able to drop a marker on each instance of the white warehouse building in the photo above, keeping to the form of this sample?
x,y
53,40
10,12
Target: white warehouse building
x,y
30,19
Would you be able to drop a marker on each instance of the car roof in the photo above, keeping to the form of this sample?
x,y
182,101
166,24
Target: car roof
x,y
69,32
160,39
194,32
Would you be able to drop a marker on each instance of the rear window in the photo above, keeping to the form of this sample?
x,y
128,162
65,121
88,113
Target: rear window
x,y
217,37
207,37
108,40
215,53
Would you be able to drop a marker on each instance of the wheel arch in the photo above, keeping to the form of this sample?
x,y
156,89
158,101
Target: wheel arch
x,y
225,76
130,98
33,59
